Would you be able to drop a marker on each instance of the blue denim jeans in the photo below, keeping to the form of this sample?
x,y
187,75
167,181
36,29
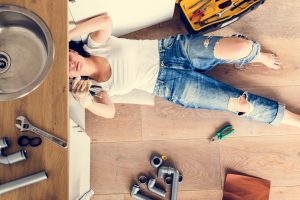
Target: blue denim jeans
x,y
181,80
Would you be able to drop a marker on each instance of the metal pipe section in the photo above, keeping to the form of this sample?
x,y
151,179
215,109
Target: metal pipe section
x,y
142,179
22,182
12,158
154,189
156,161
169,179
162,171
136,195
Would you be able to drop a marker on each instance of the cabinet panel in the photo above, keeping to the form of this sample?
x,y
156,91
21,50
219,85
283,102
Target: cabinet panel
x,y
127,16
79,171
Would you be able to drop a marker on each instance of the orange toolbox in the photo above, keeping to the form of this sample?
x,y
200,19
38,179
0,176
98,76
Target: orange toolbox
x,y
208,15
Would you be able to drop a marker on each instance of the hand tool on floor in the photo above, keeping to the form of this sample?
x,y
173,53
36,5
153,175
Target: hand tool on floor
x,y
224,132
225,10
226,5
25,140
219,14
195,4
199,13
239,4
24,125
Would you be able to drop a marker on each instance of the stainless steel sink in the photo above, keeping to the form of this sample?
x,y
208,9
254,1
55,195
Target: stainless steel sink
x,y
26,52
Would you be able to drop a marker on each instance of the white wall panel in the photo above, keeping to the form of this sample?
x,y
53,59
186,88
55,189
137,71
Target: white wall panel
x,y
127,15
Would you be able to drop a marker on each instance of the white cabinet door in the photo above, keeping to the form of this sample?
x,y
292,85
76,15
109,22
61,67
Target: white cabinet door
x,y
79,163
127,15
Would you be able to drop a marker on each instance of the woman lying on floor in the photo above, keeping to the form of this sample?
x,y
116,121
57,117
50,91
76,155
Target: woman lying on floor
x,y
171,68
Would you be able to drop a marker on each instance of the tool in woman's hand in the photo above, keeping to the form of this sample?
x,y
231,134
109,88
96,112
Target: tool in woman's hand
x,y
24,125
95,90
224,132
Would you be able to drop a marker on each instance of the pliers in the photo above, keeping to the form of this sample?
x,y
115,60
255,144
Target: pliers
x,y
224,132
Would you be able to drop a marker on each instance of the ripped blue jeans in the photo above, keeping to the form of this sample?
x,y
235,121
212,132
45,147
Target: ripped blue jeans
x,y
183,60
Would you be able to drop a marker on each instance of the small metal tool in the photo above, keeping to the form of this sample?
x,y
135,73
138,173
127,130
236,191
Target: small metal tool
x,y
232,5
24,125
224,132
199,13
240,4
196,4
219,14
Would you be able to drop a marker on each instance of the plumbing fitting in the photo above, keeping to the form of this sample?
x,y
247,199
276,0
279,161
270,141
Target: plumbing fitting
x,y
142,179
136,195
156,161
169,179
155,189
164,170
12,158
22,182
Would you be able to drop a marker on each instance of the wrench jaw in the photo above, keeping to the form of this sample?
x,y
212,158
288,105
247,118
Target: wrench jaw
x,y
22,123
18,126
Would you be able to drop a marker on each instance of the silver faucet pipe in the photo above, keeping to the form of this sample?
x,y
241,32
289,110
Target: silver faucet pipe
x,y
175,173
136,195
12,158
3,143
175,185
156,161
22,182
154,189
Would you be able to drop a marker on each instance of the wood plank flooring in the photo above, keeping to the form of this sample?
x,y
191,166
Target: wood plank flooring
x,y
121,147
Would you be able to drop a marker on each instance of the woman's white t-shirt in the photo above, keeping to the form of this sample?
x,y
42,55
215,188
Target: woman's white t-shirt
x,y
134,63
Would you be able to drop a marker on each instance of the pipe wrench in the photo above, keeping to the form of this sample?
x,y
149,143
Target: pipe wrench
x,y
23,124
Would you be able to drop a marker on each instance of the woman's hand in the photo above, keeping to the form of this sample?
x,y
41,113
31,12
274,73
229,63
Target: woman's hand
x,y
81,92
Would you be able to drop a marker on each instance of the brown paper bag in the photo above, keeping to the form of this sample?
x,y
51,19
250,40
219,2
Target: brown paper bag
x,y
239,187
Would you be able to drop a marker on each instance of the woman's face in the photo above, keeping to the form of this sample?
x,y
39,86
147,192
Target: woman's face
x,y
76,64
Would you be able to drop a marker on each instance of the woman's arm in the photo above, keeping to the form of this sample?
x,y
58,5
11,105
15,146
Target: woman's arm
x,y
102,106
100,28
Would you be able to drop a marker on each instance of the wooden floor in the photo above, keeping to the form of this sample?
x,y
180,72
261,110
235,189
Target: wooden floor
x,y
121,147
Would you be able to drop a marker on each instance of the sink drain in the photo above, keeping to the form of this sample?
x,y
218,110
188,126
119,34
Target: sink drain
x,y
4,62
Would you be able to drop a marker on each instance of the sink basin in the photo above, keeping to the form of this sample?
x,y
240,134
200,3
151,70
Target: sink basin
x,y
26,52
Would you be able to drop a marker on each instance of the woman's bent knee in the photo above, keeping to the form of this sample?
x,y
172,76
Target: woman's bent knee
x,y
233,48
240,105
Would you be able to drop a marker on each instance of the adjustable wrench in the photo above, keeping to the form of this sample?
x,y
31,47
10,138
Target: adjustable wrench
x,y
24,125
225,10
